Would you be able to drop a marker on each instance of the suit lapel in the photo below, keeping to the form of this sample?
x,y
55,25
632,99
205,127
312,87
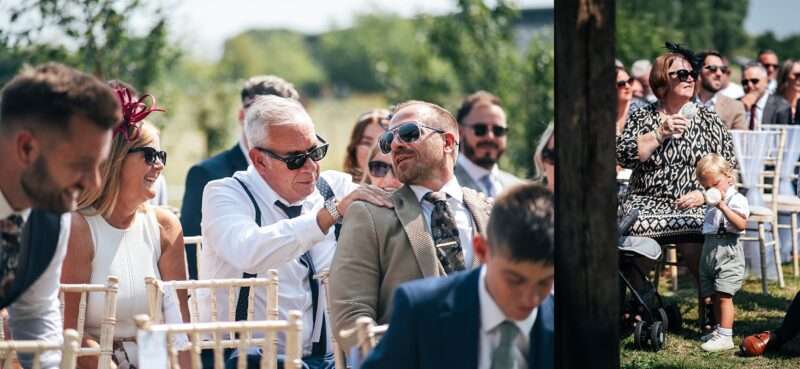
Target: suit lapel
x,y
464,179
540,351
480,214
235,158
409,212
769,111
460,321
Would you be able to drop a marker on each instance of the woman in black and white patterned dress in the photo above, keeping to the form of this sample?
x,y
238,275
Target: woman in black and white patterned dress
x,y
662,147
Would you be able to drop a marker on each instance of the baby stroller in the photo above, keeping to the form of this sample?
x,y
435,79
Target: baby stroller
x,y
642,307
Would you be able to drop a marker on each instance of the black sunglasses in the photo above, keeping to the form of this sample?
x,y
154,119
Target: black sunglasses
x,y
622,83
767,66
407,132
150,155
379,169
746,81
722,68
296,161
481,129
683,75
548,155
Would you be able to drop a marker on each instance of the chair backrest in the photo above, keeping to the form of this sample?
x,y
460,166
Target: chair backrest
x,y
791,155
197,243
69,350
756,151
106,338
338,355
367,332
167,355
157,288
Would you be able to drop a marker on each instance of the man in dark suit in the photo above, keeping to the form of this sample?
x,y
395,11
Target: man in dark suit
x,y
226,163
761,106
498,316
55,130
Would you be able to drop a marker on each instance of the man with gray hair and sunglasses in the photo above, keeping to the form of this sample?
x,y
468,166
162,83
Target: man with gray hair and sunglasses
x,y
280,214
428,232
761,106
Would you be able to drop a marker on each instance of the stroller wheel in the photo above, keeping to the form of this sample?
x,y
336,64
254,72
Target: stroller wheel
x,y
656,336
675,319
663,317
639,339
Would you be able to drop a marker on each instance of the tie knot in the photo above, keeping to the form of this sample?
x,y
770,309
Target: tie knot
x,y
435,197
12,223
508,331
291,211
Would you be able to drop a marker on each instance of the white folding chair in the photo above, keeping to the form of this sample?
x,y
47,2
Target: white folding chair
x,y
69,348
368,334
755,150
338,355
788,201
197,243
245,330
104,352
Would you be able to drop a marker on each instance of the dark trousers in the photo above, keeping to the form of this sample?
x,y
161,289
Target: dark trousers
x,y
254,360
791,323
207,357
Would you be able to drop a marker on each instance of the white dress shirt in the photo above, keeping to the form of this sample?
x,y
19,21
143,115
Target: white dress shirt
x,y
758,109
36,314
233,243
477,173
491,317
710,104
463,218
737,202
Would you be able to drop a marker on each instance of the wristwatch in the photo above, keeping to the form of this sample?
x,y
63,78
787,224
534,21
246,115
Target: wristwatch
x,y
330,205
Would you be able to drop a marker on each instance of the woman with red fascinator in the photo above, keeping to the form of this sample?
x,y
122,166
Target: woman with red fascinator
x,y
118,233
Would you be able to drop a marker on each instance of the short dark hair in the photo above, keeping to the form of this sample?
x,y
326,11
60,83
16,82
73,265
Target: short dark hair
x,y
474,99
521,224
434,115
49,95
766,51
267,85
705,54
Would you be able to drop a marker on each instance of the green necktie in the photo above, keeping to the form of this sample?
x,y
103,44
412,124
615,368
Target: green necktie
x,y
503,354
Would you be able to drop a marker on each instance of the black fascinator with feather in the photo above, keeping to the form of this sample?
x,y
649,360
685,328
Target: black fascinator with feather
x,y
689,55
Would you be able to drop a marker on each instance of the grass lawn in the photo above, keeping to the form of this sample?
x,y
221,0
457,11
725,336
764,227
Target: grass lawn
x,y
755,312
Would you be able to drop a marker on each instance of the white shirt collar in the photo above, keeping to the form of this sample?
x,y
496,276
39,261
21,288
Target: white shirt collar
x,y
451,188
6,210
710,103
492,316
474,170
270,196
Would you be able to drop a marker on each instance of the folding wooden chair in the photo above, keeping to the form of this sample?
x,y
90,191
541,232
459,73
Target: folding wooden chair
x,y
104,352
338,355
197,243
245,330
788,200
368,334
69,350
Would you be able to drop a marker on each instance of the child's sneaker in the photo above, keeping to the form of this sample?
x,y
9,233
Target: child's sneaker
x,y
708,336
718,342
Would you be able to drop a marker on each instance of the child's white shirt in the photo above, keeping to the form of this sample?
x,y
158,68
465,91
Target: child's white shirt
x,y
737,202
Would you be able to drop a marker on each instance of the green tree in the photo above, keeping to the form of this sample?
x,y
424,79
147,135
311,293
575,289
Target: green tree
x,y
101,31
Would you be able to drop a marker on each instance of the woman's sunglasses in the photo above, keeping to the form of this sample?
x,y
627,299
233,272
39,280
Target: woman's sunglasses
x,y
625,82
297,161
548,155
481,129
379,169
683,75
407,132
151,155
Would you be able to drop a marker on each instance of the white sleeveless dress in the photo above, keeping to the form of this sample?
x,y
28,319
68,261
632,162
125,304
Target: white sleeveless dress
x,y
130,254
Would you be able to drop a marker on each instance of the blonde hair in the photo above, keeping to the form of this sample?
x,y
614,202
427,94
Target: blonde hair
x,y
714,164
103,200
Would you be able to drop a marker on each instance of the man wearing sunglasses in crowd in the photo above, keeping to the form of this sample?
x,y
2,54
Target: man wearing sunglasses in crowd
x,y
769,60
712,74
55,130
761,106
483,129
275,215
225,163
428,233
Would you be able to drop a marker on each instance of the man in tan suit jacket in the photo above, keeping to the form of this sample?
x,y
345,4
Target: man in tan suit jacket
x,y
729,110
380,248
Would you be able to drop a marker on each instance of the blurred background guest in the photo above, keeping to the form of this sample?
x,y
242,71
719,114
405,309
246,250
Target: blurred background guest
x,y
712,74
761,106
730,88
368,128
544,158
626,102
641,72
380,171
769,60
789,86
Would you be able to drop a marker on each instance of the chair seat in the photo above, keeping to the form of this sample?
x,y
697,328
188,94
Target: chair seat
x,y
760,212
786,203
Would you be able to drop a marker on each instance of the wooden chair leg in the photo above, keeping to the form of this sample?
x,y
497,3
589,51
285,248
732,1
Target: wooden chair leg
x,y
795,263
776,253
672,253
762,250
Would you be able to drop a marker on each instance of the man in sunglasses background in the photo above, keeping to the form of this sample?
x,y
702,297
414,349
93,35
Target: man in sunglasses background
x,y
225,163
428,233
482,127
761,106
55,130
712,75
274,216
769,60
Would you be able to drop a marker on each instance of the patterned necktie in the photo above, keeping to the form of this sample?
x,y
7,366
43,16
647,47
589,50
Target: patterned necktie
x,y
445,233
317,348
10,230
503,353
486,181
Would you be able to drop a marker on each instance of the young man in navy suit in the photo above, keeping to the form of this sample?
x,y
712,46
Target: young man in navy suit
x,y
496,316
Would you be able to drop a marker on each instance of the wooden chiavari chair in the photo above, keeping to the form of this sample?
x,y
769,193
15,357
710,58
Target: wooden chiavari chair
x,y
69,350
106,339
